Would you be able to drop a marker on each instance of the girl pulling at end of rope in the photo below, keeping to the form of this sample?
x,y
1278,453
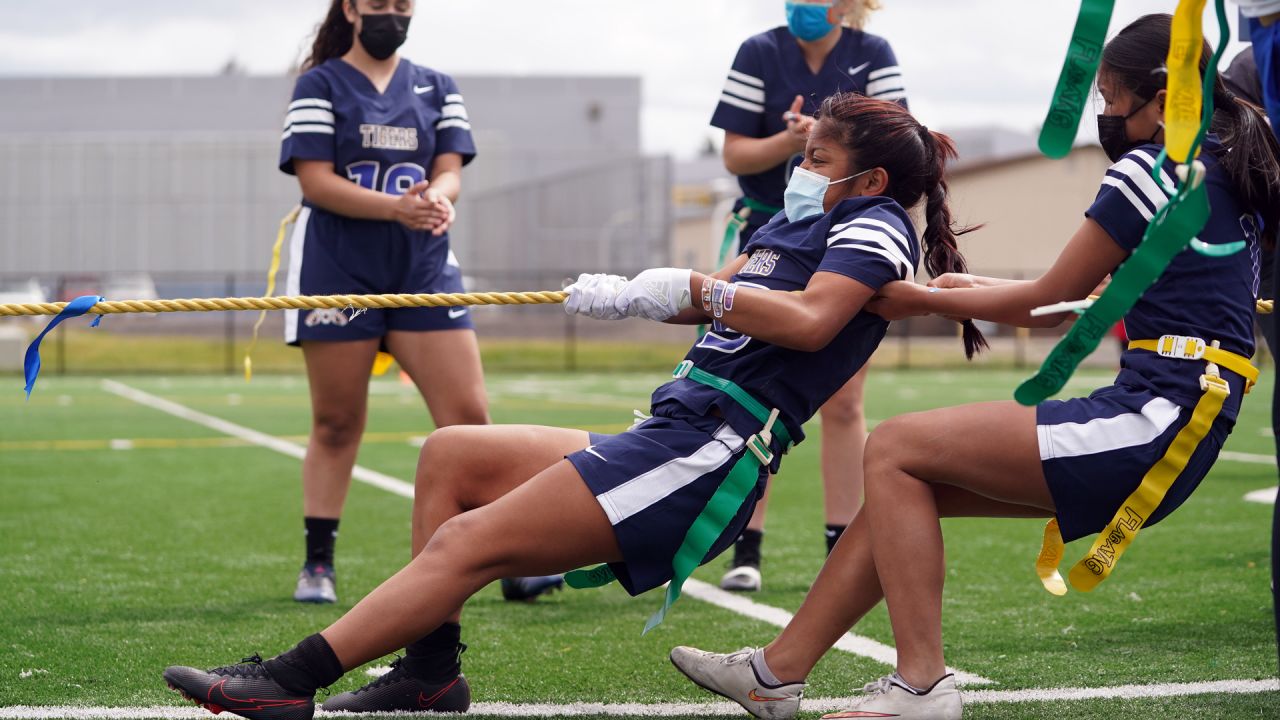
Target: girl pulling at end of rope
x,y
673,492
1077,460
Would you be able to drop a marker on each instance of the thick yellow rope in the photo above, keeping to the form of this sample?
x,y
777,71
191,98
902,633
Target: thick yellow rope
x,y
295,302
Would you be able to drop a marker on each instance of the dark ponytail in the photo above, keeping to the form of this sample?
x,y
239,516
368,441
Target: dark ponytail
x,y
1135,59
883,134
333,36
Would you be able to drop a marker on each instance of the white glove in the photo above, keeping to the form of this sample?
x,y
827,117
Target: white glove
x,y
656,294
593,295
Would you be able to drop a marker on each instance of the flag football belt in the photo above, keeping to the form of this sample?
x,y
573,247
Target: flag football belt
x,y
724,503
1138,507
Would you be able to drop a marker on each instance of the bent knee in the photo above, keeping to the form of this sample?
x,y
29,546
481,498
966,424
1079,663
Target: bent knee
x,y
844,409
890,443
468,541
337,429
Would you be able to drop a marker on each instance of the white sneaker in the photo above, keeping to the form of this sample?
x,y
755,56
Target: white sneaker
x,y
743,578
733,677
890,697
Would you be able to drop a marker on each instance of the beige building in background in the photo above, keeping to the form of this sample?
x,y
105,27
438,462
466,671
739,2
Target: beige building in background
x,y
1030,205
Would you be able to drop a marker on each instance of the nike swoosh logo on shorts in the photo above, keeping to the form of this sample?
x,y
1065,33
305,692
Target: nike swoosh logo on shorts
x,y
420,89
455,313
592,449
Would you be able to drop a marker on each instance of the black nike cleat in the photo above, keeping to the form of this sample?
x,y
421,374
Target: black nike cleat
x,y
246,689
528,589
398,691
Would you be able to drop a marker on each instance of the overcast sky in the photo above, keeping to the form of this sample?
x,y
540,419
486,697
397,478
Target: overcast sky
x,y
965,62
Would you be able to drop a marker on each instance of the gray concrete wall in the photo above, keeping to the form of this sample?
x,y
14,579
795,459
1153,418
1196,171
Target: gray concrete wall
x,y
179,174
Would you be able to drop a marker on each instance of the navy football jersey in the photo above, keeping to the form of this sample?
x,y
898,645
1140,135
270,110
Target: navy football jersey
x,y
869,239
770,71
1207,297
382,141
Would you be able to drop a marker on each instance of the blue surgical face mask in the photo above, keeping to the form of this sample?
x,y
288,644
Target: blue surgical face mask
x,y
805,191
807,21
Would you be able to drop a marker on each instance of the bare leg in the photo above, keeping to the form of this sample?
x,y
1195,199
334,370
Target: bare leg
x,y
445,366
550,524
844,434
975,460
465,467
338,373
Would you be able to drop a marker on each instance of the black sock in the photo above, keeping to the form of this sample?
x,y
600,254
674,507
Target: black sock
x,y
833,533
746,551
311,664
437,656
321,534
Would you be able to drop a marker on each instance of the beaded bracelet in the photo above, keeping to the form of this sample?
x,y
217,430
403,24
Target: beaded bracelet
x,y
707,283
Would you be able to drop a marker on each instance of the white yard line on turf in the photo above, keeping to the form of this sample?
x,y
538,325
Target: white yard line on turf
x,y
284,447
776,616
1265,496
502,709
1247,458
849,643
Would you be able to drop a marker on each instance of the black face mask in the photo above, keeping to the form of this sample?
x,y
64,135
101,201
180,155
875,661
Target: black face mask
x,y
382,34
1113,137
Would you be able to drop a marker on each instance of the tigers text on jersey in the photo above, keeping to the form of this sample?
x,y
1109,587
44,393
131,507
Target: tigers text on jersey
x,y
1207,297
382,141
868,239
770,71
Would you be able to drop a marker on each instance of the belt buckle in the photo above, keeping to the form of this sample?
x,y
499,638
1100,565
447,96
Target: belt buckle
x,y
1180,347
760,449
682,370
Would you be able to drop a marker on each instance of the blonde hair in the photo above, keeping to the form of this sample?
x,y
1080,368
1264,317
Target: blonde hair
x,y
857,17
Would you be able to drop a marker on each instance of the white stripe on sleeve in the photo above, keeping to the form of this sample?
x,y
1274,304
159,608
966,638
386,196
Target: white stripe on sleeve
x,y
1125,190
884,72
892,248
875,88
1106,434
303,129
894,95
1141,178
311,102
745,78
453,123
746,92
308,115
893,231
454,111
739,102
453,98
904,270
650,488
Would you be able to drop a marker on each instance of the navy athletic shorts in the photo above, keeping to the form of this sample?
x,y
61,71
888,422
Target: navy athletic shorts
x,y
1096,450
652,482
333,255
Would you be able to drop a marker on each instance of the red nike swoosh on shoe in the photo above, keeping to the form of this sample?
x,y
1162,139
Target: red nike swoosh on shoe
x,y
425,702
857,714
764,698
234,703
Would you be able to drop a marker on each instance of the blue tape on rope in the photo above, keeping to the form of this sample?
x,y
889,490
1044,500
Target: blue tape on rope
x,y
75,308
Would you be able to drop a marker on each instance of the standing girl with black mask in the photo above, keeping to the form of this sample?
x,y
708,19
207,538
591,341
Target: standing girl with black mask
x,y
377,144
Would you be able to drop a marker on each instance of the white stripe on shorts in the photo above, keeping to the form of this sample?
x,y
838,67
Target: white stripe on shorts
x,y
293,286
1106,434
642,491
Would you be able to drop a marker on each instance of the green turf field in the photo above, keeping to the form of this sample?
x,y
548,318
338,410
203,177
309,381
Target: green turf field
x,y
133,539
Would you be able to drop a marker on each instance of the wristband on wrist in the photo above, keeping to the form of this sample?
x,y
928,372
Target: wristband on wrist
x,y
707,283
729,292
717,298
